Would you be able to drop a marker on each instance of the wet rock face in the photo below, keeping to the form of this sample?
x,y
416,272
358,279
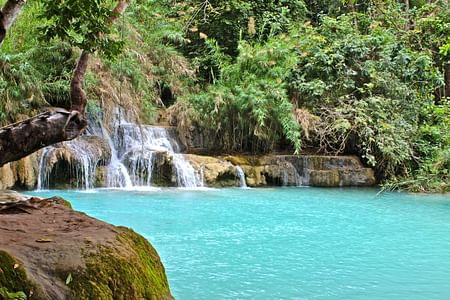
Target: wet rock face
x,y
284,170
20,174
49,251
216,172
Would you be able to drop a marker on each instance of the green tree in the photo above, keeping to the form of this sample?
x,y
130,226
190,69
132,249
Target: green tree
x,y
85,24
226,23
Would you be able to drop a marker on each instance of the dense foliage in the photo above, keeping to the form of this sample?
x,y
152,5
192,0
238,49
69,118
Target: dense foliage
x,y
370,78
249,105
367,88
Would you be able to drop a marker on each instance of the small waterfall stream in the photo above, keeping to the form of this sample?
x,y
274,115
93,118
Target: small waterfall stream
x,y
241,174
75,160
117,174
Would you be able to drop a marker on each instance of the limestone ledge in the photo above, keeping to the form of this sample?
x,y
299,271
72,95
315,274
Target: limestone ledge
x,y
285,170
217,171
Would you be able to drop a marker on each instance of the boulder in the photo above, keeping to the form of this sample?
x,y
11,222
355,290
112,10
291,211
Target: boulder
x,y
49,251
216,172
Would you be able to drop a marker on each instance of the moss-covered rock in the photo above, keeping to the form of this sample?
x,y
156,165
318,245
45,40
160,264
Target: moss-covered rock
x,y
131,271
13,277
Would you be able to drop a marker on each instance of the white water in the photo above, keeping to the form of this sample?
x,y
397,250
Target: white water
x,y
241,174
186,176
133,150
138,146
202,176
289,170
43,179
82,161
117,174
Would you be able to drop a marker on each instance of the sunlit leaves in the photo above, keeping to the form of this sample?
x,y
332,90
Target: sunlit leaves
x,y
82,23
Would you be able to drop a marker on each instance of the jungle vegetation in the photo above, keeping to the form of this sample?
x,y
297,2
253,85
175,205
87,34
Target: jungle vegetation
x,y
363,77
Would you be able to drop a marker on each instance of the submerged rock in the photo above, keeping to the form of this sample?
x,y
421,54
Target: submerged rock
x,y
49,251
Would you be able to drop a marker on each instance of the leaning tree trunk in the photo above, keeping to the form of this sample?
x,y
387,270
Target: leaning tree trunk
x,y
8,14
56,125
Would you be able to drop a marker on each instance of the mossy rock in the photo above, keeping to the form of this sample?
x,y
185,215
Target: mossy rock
x,y
13,277
135,272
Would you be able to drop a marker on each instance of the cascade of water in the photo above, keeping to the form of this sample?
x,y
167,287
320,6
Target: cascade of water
x,y
241,175
186,176
285,178
306,172
82,161
137,146
132,160
117,173
43,176
298,179
140,165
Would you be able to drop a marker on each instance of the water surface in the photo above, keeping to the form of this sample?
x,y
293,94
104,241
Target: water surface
x,y
287,243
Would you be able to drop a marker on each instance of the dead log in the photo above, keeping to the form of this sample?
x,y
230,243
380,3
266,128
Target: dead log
x,y
21,139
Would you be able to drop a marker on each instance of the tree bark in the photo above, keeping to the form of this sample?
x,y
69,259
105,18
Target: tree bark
x,y
57,125
77,94
21,139
8,14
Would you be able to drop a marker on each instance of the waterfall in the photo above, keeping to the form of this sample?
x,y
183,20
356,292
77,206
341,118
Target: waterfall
x,y
70,160
306,172
117,174
42,180
285,178
186,176
137,146
241,174
133,151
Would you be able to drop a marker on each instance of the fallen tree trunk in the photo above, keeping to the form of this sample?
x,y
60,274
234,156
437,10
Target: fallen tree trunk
x,y
21,139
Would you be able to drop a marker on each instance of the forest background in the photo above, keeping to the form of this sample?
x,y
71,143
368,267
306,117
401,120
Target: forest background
x,y
370,78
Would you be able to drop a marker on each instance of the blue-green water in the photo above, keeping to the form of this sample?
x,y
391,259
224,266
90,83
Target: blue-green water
x,y
291,243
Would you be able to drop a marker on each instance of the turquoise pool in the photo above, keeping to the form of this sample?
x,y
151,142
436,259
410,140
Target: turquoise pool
x,y
287,243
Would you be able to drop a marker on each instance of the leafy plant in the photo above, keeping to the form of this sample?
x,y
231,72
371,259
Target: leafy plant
x,y
249,106
6,295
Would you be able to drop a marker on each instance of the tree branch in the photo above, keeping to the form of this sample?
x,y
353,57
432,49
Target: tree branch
x,y
77,94
8,14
